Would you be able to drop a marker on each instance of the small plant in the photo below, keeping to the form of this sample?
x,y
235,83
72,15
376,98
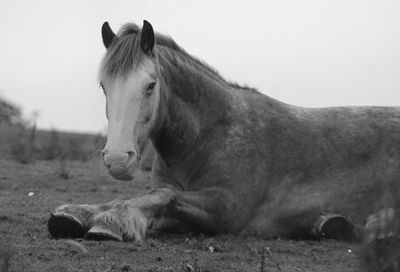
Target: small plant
x,y
75,150
21,150
262,264
53,148
32,139
24,145
63,171
192,266
9,112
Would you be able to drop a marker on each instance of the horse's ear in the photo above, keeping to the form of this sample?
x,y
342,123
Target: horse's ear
x,y
147,38
108,34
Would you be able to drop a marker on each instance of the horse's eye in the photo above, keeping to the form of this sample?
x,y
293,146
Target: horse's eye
x,y
150,87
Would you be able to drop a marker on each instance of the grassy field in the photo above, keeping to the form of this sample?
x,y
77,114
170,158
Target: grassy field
x,y
28,192
31,187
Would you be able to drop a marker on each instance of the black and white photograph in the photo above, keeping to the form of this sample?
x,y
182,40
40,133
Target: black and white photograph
x,y
199,136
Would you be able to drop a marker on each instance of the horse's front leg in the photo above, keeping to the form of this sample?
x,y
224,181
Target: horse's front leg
x,y
130,219
206,211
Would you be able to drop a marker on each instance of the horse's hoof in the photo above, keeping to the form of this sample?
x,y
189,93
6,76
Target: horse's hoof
x,y
100,233
336,227
63,225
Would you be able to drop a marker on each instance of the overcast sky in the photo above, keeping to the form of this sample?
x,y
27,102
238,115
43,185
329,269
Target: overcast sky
x,y
308,53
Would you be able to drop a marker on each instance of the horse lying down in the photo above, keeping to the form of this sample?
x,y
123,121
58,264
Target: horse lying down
x,y
228,158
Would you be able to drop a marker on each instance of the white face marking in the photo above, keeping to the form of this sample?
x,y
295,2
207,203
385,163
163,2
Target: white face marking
x,y
130,108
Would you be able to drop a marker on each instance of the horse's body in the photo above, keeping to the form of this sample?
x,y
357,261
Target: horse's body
x,y
230,159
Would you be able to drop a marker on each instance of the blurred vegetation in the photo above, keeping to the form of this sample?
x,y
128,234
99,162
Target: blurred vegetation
x,y
9,113
20,140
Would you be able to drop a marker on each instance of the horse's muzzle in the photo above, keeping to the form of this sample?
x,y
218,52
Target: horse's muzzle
x,y
120,165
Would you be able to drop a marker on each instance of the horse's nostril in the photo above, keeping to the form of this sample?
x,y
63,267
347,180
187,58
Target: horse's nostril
x,y
131,155
117,161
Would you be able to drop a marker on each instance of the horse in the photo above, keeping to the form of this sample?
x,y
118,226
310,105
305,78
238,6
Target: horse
x,y
229,159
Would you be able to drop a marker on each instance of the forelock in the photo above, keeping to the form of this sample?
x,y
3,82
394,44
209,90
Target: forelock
x,y
124,54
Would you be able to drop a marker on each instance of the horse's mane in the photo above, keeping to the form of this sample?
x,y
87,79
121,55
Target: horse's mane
x,y
125,53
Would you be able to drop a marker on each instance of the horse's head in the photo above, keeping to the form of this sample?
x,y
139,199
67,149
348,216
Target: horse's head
x,y
130,77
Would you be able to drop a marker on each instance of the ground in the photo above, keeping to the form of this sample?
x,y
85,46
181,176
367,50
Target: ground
x,y
28,192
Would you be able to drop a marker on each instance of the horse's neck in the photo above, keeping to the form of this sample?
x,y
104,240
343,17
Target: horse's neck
x,y
196,97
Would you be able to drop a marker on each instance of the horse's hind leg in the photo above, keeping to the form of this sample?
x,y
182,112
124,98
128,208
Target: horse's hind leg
x,y
73,221
308,224
335,226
